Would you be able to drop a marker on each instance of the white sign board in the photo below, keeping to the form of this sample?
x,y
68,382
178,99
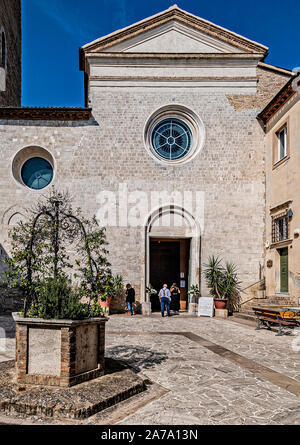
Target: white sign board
x,y
206,307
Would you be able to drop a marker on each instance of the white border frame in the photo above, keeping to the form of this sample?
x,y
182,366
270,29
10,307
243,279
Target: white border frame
x,y
189,117
19,181
284,129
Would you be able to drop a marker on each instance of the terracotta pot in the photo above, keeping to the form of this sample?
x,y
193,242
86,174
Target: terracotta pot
x,y
106,303
220,303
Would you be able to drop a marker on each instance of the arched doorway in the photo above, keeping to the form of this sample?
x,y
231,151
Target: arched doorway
x,y
172,251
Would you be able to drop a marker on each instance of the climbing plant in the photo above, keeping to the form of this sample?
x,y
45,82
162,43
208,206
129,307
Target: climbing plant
x,y
54,244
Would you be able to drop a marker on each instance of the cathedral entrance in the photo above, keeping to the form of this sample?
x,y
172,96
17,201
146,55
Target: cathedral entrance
x,y
169,263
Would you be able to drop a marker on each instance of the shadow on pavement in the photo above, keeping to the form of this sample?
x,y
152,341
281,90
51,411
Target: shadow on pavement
x,y
136,357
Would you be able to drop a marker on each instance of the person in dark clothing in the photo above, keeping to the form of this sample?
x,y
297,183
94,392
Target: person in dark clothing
x,y
175,296
130,299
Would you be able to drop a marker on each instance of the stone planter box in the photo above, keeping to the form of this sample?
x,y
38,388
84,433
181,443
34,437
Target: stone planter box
x,y
59,352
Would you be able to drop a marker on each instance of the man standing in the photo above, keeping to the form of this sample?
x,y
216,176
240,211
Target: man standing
x,y
165,300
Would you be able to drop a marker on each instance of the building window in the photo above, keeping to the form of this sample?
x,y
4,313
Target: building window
x,y
280,228
282,143
174,135
172,139
37,173
3,50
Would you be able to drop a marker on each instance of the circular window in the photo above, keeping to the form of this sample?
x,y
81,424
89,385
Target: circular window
x,y
33,167
174,134
172,139
37,173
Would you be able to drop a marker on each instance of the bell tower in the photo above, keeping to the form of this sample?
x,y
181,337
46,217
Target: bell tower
x,y
10,53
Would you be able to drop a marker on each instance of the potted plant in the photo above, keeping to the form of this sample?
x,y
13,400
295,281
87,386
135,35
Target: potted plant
x,y
59,338
150,291
213,274
113,287
231,287
222,282
194,293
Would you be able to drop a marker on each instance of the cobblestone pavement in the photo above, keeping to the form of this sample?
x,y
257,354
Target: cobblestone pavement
x,y
206,383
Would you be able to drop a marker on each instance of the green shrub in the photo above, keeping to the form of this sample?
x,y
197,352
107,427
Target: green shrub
x,y
56,299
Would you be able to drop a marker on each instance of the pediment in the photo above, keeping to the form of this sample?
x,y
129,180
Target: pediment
x,y
173,31
173,37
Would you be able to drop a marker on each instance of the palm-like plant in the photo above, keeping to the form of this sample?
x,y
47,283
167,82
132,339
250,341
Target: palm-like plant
x,y
231,286
214,277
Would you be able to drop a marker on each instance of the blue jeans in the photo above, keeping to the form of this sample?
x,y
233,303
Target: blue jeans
x,y
130,307
165,303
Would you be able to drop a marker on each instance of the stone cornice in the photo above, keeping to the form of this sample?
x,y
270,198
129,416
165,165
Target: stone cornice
x,y
45,114
248,56
275,69
182,78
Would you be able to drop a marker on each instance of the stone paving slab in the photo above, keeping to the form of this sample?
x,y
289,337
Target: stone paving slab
x,y
200,386
204,387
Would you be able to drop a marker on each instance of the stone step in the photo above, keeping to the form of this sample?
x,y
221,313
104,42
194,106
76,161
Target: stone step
x,y
246,311
245,316
270,300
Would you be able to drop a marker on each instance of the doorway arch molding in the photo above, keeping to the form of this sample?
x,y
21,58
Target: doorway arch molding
x,y
189,229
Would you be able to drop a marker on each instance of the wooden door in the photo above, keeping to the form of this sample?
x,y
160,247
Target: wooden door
x,y
169,263
164,266
284,270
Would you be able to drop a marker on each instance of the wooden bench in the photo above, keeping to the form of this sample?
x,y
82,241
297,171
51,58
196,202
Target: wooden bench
x,y
286,318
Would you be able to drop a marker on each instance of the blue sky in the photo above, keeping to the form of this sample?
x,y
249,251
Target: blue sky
x,y
53,31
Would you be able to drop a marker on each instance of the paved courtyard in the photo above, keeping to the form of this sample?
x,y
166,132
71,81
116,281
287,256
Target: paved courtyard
x,y
211,371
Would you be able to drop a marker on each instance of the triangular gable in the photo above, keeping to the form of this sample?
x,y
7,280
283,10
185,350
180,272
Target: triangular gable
x,y
209,36
173,37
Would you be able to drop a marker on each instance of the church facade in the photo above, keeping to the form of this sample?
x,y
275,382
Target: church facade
x,y
167,152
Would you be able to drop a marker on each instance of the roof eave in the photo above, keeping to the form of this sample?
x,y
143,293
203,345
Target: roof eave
x,y
286,92
45,113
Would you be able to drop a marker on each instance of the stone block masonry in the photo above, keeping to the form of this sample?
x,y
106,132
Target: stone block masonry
x,y
90,159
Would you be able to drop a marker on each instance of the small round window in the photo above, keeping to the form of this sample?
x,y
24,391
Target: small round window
x,y
172,139
37,173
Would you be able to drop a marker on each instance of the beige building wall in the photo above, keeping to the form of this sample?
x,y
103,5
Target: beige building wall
x,y
283,194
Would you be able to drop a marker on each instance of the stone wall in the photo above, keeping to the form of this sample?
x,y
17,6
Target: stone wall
x,y
11,300
92,158
270,82
108,154
10,76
